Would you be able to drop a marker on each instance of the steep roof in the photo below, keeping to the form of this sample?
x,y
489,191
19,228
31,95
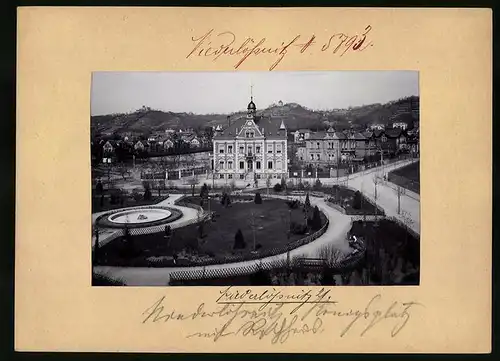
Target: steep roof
x,y
358,136
317,136
270,125
393,133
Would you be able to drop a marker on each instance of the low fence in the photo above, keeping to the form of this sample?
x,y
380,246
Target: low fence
x,y
185,277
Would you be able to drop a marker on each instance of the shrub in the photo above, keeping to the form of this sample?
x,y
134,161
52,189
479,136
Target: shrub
x,y
307,202
136,195
293,204
225,200
239,241
258,198
277,187
356,203
99,188
204,191
289,185
317,185
301,186
297,228
147,194
316,219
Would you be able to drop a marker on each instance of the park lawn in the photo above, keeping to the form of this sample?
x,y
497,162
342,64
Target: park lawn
x,y
271,219
271,224
410,171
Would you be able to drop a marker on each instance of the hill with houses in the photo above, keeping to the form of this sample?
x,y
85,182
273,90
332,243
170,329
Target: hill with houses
x,y
146,120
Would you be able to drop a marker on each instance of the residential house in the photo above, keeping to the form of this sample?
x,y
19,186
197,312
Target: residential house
x,y
377,126
139,146
402,125
108,148
251,147
301,135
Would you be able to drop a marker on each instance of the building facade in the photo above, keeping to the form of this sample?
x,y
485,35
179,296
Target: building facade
x,y
251,148
331,147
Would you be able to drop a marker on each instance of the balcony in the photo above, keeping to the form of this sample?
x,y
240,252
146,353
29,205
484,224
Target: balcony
x,y
250,156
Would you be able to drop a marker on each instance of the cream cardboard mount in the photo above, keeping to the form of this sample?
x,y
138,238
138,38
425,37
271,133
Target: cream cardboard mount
x,y
58,310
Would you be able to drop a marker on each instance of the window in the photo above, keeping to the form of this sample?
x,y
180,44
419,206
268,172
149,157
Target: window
x,y
221,149
312,156
242,165
258,176
230,165
257,149
229,148
318,157
269,148
249,150
229,176
317,145
257,165
270,165
221,176
221,164
242,176
242,149
278,148
278,164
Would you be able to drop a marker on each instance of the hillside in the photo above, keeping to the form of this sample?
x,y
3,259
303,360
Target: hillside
x,y
296,116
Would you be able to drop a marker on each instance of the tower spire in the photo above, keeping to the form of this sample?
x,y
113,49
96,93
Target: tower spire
x,y
251,91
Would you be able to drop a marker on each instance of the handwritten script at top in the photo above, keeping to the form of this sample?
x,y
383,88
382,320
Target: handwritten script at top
x,y
272,315
214,45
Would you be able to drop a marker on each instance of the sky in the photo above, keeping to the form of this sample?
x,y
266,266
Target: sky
x,y
226,92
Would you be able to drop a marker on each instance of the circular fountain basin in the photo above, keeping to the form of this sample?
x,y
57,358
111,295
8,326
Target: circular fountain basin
x,y
139,217
136,216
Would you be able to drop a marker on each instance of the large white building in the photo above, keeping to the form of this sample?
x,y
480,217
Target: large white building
x,y
251,147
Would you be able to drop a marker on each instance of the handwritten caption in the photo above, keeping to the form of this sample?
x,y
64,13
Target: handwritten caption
x,y
275,316
215,45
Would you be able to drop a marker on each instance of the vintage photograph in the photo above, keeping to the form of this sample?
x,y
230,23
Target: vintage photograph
x,y
255,178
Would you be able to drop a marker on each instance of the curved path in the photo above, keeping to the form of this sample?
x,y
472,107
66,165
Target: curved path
x,y
335,234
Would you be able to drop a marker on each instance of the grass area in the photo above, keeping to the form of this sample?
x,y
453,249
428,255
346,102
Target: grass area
x,y
271,219
410,171
407,177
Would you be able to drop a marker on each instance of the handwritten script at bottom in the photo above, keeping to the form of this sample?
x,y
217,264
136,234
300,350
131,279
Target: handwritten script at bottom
x,y
277,321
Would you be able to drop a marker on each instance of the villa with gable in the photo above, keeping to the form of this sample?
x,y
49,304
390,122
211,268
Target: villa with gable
x,y
251,147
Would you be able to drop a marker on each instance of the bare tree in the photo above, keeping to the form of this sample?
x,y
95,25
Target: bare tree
x,y
376,181
268,184
400,191
330,254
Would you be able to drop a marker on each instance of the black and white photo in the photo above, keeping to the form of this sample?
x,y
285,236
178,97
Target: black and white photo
x,y
255,178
